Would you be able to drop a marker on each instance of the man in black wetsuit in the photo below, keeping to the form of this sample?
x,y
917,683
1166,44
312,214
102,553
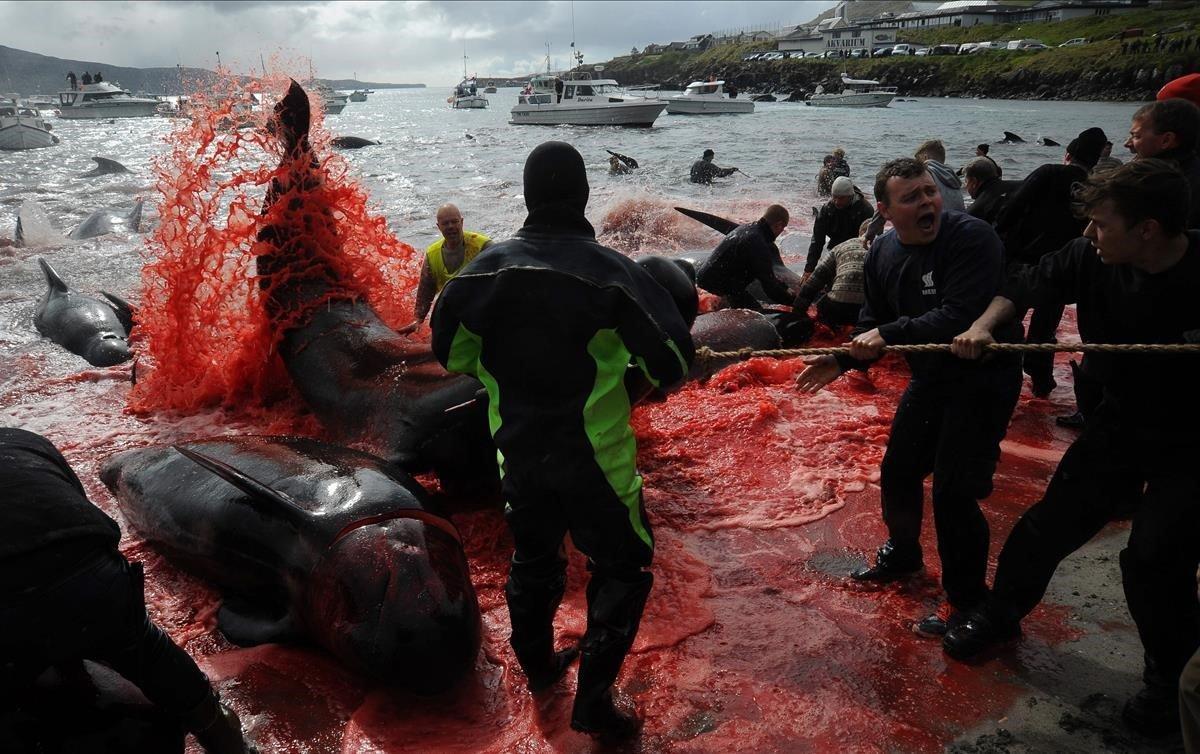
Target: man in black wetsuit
x,y
1133,278
1038,219
549,322
704,171
988,192
1170,130
838,220
746,254
67,594
931,275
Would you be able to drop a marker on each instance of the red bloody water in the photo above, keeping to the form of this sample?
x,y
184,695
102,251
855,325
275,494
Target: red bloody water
x,y
761,500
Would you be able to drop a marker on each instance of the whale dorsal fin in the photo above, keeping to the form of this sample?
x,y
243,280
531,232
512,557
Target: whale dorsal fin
x,y
261,494
55,283
135,216
1010,136
719,224
125,310
105,165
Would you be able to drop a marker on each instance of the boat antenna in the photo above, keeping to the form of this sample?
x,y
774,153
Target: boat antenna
x,y
264,64
575,53
547,57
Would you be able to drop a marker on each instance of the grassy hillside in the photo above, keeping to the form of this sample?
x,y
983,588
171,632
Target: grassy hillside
x,y
1093,71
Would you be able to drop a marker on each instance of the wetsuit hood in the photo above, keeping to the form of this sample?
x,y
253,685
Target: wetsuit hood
x,y
554,174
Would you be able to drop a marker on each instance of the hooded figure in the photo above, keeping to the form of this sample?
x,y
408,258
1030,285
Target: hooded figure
x,y
549,321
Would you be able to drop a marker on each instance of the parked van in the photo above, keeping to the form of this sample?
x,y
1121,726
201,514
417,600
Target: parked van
x,y
904,49
1026,44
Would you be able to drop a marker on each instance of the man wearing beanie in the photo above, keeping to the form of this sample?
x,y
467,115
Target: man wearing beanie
x,y
838,220
549,321
1037,220
1170,130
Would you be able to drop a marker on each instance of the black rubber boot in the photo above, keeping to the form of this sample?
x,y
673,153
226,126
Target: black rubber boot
x,y
217,728
602,720
892,562
1153,712
979,635
534,591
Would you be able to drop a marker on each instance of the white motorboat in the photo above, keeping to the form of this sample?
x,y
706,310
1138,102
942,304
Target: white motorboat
x,y
22,128
358,95
467,97
104,100
333,102
582,101
856,93
707,98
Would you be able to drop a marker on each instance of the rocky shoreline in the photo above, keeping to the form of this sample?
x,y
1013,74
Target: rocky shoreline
x,y
1131,79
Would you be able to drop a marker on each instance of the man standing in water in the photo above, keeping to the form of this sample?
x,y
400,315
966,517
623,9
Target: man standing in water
x,y
549,322
748,253
1133,277
445,258
933,274
704,171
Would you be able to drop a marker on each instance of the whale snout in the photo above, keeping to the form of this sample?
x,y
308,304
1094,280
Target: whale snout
x,y
108,349
394,601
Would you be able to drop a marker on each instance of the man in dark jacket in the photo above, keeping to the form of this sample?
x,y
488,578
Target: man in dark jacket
x,y
1169,130
1038,219
988,192
1133,279
549,321
704,171
837,221
67,594
747,254
935,272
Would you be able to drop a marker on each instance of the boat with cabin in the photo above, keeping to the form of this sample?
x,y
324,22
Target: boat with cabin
x,y
103,100
23,128
467,97
490,88
708,98
333,102
855,93
577,99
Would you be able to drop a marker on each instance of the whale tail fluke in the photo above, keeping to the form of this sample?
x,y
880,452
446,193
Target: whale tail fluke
x,y
260,494
53,281
294,116
720,224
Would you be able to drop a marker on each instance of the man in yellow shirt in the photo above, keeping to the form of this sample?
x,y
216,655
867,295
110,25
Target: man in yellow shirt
x,y
444,259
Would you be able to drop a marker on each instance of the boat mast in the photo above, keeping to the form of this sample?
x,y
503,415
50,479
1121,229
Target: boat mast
x,y
464,59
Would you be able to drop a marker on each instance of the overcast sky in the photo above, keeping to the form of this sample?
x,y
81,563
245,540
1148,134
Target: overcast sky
x,y
397,42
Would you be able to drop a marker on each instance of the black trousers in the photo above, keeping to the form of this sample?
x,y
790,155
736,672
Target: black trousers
x,y
1105,469
543,505
951,428
1043,328
98,613
836,313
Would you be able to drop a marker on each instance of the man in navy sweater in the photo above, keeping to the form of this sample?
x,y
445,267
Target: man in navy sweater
x,y
934,273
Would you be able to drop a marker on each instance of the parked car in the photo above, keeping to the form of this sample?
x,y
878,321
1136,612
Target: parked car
x,y
922,51
986,46
1074,42
903,49
861,52
966,48
1035,46
831,54
882,52
944,50
772,56
1026,44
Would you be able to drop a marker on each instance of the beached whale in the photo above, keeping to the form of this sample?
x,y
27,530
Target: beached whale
x,y
104,166
311,541
1011,138
86,326
352,142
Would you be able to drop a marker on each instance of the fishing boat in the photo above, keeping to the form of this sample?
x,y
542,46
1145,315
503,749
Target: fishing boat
x,y
22,128
466,95
359,95
707,98
103,100
333,102
490,88
577,99
855,93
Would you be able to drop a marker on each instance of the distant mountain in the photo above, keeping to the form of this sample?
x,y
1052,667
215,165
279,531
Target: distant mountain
x,y
30,73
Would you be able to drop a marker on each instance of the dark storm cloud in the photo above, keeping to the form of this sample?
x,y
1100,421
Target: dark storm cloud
x,y
419,41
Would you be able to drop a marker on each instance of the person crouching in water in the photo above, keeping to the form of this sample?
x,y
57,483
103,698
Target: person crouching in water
x,y
746,254
934,273
839,277
1133,278
68,595
549,321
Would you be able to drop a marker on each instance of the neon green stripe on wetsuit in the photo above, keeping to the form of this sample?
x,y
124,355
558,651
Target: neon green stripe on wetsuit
x,y
464,359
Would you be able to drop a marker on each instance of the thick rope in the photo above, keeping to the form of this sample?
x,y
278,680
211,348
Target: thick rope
x,y
705,353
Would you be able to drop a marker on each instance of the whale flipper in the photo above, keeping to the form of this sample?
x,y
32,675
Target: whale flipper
x,y
53,281
719,224
252,620
261,495
125,310
104,166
